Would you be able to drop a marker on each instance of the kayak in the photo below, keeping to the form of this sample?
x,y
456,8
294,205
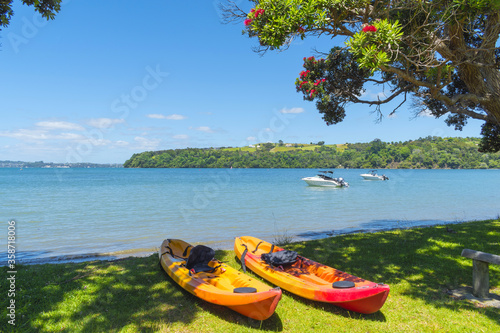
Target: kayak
x,y
217,282
309,279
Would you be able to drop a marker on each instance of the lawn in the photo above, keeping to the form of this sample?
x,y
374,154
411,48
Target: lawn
x,y
135,295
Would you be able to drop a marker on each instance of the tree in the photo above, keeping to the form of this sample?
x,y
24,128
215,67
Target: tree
x,y
267,146
443,53
48,9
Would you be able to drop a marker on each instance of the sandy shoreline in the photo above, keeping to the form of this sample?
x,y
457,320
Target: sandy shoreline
x,y
146,252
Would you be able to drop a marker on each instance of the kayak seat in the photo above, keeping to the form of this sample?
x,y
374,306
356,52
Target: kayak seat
x,y
280,258
198,259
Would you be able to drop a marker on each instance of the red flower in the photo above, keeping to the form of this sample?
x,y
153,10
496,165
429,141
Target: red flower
x,y
369,28
304,74
258,12
247,22
300,29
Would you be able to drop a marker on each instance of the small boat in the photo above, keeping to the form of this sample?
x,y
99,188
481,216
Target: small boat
x,y
325,178
196,270
373,176
309,279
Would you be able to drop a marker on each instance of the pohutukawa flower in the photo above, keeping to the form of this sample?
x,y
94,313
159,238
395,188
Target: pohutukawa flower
x,y
258,12
369,28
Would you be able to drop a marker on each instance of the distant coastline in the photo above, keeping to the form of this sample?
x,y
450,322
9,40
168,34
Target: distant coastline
x,y
48,165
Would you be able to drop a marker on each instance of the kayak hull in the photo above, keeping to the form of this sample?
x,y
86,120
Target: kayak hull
x,y
219,287
312,280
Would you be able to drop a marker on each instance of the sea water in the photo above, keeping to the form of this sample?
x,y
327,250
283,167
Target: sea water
x,y
81,214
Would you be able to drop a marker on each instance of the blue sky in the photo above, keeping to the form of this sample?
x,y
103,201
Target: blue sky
x,y
107,79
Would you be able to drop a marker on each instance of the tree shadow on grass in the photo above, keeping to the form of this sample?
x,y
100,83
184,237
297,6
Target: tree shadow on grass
x,y
132,294
273,323
98,296
428,260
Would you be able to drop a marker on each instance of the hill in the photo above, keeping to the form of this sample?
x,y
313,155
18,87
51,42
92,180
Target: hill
x,y
429,153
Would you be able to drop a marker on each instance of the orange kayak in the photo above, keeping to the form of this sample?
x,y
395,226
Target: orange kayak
x,y
221,284
311,280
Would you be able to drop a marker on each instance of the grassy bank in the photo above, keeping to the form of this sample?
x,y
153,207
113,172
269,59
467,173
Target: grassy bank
x,y
134,295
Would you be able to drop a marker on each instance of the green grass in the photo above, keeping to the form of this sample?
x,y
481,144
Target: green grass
x,y
135,295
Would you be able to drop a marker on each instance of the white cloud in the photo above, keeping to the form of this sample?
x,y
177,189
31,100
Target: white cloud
x,y
147,144
369,95
69,136
292,110
169,117
121,143
59,125
425,113
30,135
26,134
205,129
105,122
251,138
181,136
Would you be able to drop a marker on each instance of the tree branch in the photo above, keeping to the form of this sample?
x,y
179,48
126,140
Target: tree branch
x,y
379,101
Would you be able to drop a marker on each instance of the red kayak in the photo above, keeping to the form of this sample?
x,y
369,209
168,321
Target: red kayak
x,y
309,279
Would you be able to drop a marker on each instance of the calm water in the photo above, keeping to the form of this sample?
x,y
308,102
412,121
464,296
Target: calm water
x,y
66,214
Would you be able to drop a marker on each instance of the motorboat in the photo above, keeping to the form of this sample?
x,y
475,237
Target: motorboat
x,y
373,176
325,178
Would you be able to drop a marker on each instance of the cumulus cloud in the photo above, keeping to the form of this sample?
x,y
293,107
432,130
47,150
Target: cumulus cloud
x,y
26,134
425,113
292,110
59,125
181,136
168,117
370,95
121,143
105,122
39,135
147,144
69,136
205,129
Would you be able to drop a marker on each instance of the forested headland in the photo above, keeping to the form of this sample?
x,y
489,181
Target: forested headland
x,y
424,153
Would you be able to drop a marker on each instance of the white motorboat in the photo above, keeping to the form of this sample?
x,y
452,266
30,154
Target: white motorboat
x,y
373,176
325,179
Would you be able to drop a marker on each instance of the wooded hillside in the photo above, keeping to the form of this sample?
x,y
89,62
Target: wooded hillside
x,y
430,152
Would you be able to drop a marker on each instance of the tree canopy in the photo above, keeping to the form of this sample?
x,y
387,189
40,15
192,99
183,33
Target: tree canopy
x,y
442,53
47,8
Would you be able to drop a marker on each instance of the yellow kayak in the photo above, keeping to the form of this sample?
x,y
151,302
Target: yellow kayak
x,y
216,282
